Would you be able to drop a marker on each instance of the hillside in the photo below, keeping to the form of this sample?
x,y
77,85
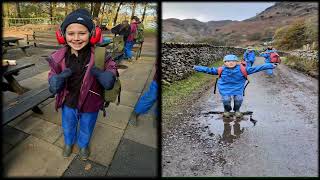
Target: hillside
x,y
254,30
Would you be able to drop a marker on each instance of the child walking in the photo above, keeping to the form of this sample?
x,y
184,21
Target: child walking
x,y
76,82
249,56
130,40
231,82
267,58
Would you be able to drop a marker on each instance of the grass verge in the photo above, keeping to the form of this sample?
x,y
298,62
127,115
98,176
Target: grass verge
x,y
180,91
309,67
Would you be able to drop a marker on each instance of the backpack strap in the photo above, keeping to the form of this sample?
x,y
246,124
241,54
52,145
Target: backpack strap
x,y
245,74
219,71
99,57
244,71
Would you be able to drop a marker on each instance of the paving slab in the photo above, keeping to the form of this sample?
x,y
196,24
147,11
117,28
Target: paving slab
x,y
141,74
104,142
133,86
40,128
134,160
35,157
79,168
50,114
145,132
6,148
116,116
12,135
129,98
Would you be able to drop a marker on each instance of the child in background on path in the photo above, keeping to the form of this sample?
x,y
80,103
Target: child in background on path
x,y
267,58
249,56
76,82
130,40
231,82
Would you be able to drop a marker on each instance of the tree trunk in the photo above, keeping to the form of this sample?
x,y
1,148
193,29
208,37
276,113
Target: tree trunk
x,y
133,9
5,14
18,10
144,11
116,17
91,8
65,8
82,5
96,10
51,12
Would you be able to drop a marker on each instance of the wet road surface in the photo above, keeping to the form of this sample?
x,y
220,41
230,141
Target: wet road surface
x,y
280,139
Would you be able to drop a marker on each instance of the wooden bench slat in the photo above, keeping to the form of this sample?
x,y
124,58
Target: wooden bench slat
x,y
25,102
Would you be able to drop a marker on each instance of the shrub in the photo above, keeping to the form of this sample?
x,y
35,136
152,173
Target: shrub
x,y
291,37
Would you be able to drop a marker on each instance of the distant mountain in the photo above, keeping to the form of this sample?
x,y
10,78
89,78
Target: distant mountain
x,y
247,32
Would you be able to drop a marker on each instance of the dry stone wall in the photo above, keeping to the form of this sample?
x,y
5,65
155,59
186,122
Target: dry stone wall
x,y
179,58
305,54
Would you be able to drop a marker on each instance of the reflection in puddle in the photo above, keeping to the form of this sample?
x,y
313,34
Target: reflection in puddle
x,y
228,129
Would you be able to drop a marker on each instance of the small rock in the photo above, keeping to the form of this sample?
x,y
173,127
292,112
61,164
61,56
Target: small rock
x,y
87,167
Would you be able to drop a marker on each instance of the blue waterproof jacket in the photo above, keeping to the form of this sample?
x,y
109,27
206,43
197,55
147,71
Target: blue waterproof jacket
x,y
232,80
249,56
266,55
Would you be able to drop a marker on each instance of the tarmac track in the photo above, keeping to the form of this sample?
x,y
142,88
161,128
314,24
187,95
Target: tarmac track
x,y
282,142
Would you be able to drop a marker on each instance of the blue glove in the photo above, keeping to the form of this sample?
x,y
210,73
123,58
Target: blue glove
x,y
105,78
56,82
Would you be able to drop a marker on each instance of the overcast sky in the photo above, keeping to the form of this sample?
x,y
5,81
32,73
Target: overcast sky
x,y
213,11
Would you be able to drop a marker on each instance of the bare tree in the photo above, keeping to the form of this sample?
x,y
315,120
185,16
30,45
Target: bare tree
x,y
91,8
82,5
116,17
144,11
65,8
96,9
51,11
18,10
133,9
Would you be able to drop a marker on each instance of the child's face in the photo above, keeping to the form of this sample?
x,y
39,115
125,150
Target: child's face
x,y
230,64
77,36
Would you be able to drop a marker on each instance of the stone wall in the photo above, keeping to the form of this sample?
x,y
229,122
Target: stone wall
x,y
305,54
179,58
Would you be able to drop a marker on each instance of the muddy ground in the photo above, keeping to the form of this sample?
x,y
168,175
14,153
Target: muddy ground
x,y
282,142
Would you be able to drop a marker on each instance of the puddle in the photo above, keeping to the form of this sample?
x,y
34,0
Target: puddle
x,y
227,129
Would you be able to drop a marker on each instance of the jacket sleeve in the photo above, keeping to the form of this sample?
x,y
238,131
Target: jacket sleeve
x,y
206,70
265,55
110,65
262,67
54,68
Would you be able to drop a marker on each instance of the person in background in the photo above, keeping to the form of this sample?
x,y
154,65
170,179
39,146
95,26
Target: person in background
x,y
249,56
130,40
267,59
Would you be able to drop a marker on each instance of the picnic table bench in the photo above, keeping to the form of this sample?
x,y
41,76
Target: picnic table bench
x,y
43,38
25,102
13,43
27,99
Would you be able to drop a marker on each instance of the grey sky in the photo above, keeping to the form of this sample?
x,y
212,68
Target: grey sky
x,y
213,11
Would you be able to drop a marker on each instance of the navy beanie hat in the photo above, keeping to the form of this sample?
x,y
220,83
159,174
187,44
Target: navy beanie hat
x,y
80,16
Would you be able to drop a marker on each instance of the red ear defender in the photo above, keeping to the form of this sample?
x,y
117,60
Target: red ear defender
x,y
60,37
96,35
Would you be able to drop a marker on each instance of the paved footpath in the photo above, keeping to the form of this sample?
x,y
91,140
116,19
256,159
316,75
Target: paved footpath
x,y
32,143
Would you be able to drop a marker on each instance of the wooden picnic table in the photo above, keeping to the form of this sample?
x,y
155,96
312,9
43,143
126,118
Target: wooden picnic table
x,y
13,43
9,73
